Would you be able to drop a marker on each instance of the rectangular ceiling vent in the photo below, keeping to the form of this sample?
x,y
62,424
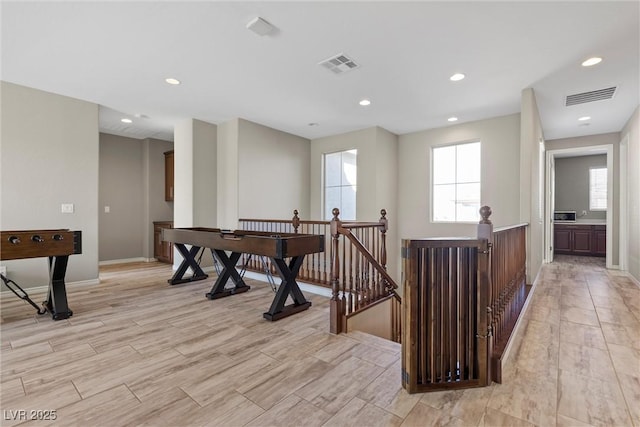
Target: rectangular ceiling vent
x,y
339,63
595,95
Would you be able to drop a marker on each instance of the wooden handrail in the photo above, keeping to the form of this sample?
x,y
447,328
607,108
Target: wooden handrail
x,y
510,227
488,274
367,288
317,267
383,272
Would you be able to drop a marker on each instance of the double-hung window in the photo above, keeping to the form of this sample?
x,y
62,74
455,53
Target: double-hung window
x,y
456,183
598,189
340,184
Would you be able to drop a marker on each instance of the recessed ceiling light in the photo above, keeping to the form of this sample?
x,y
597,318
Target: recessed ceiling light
x,y
452,119
126,120
584,118
457,77
591,61
172,81
365,102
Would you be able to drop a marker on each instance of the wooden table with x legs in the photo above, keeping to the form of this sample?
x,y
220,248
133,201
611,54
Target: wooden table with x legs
x,y
278,247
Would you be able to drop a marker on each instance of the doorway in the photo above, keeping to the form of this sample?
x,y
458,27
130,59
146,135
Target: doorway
x,y
550,189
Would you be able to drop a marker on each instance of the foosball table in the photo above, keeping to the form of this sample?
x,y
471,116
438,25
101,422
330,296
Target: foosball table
x,y
56,245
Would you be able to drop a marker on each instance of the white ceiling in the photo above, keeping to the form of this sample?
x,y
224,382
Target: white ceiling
x,y
117,54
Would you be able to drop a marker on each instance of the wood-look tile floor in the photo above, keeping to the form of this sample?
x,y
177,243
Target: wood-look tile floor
x,y
140,352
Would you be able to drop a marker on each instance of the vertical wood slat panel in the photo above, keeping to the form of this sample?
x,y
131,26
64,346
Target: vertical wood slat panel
x,y
441,313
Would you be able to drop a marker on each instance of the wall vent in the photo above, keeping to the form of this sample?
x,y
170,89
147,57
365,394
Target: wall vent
x,y
339,63
594,95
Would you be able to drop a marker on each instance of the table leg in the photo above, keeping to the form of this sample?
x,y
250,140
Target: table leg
x,y
188,260
228,272
289,286
56,302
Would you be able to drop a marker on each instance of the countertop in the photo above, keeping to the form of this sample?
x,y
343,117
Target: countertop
x,y
584,222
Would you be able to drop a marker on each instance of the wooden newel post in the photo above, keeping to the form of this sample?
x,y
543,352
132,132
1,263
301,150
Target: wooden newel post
x,y
335,305
485,318
295,221
384,226
485,227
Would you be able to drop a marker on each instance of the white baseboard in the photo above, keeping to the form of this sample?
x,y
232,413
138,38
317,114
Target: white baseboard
x,y
126,260
45,288
632,278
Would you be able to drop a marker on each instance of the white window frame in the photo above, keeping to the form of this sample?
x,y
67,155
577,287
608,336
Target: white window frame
x,y
324,188
432,186
593,205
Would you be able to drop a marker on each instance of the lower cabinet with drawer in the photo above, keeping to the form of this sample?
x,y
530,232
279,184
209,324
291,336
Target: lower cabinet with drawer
x,y
162,251
577,239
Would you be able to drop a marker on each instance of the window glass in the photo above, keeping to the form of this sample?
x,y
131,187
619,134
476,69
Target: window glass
x,y
598,189
456,183
340,184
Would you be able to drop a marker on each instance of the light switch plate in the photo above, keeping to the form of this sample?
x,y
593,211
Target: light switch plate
x,y
66,208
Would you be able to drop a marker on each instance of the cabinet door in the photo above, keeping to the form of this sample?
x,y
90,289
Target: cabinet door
x,y
167,252
582,241
599,241
157,243
168,176
562,240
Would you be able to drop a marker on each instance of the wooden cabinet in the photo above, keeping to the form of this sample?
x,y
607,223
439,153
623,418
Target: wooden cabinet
x,y
578,239
600,240
162,251
168,176
582,240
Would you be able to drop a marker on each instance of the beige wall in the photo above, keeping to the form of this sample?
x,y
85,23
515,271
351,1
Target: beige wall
x,y
195,181
273,172
121,230
632,131
499,180
205,174
532,181
572,184
612,139
49,156
377,167
132,185
227,166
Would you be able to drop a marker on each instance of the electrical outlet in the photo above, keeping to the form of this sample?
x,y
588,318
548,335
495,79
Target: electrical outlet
x,y
584,213
66,208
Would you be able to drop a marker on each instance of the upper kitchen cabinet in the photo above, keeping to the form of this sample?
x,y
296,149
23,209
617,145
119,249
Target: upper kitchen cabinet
x,y
168,176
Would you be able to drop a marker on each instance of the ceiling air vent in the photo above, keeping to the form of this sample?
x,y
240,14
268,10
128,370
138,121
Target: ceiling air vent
x,y
595,95
339,63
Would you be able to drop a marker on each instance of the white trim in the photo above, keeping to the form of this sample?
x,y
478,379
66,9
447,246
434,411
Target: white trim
x,y
45,288
126,260
633,279
623,234
608,148
550,206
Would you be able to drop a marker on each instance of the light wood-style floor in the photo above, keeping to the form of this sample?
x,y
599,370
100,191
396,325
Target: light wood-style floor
x,y
140,352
